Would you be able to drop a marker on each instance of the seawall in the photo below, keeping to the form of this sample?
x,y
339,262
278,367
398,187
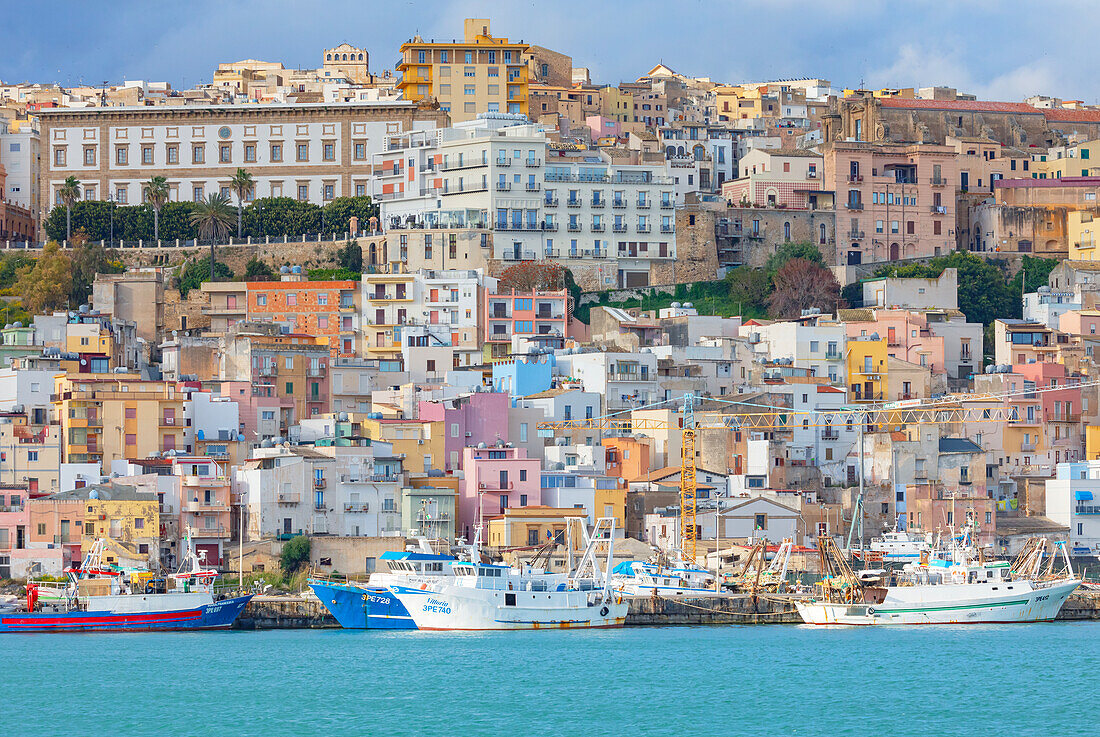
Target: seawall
x,y
293,612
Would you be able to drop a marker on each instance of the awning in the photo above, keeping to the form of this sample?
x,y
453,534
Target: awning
x,y
1082,496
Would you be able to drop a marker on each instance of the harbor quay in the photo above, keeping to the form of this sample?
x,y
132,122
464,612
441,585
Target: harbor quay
x,y
296,612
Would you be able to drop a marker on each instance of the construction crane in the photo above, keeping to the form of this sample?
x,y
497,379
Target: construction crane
x,y
898,414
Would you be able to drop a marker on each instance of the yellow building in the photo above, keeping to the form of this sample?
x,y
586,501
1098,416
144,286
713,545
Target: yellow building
x,y
476,75
1082,235
88,338
120,513
1079,160
616,104
1092,442
611,503
532,526
107,417
867,369
416,439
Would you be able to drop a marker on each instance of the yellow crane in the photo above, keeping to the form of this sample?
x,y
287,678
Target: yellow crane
x,y
897,414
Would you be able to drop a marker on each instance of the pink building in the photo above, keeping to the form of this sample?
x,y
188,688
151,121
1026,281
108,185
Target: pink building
x,y
204,505
496,478
481,417
601,126
260,408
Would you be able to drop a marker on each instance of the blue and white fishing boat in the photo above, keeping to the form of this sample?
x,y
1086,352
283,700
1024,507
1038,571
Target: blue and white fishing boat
x,y
370,604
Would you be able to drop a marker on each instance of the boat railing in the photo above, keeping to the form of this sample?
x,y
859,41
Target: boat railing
x,y
341,578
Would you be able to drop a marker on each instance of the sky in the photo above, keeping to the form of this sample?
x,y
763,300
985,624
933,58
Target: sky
x,y
1004,50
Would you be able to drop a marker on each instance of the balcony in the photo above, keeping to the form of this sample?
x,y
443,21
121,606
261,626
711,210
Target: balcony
x,y
938,181
830,434
550,202
858,206
496,487
574,227
465,164
573,202
643,204
319,483
550,227
855,178
204,506
598,227
532,163
832,355
356,508
466,188
643,228
1028,447
855,235
503,162
1071,417
171,422
599,202
1086,509
533,187
868,397
619,204
220,531
503,187
938,209
619,228
667,205
290,497
667,229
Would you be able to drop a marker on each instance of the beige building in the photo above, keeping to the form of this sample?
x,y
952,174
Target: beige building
x,y
309,152
348,62
136,296
478,74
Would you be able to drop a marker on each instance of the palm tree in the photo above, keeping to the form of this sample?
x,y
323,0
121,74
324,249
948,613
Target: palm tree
x,y
242,184
156,193
69,194
213,217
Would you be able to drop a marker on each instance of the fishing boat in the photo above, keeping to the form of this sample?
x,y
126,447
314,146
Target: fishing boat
x,y
637,578
481,596
98,598
901,546
960,589
369,604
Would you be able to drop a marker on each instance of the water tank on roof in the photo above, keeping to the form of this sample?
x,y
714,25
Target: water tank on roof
x,y
1044,290
240,437
374,416
874,336
83,309
688,305
482,445
266,443
342,417
675,305
295,269
284,269
435,473
93,494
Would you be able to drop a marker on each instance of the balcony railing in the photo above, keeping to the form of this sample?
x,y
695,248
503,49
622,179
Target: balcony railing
x,y
503,162
291,497
550,202
643,228
643,205
532,163
465,164
598,227
667,205
599,203
533,187
854,205
574,227
503,186
855,235
619,228
667,229
939,209
357,508
571,202
937,181
618,204
855,178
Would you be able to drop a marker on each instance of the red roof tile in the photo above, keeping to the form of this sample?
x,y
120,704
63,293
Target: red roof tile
x,y
976,106
1047,183
1073,116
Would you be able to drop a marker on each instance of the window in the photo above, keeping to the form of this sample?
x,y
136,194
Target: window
x,y
276,152
121,155
250,152
523,472
131,439
360,151
303,192
198,154
198,193
303,152
329,152
59,157
261,300
329,191
89,156
225,153
760,522
290,388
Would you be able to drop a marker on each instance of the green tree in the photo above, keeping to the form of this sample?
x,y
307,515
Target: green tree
x,y
787,251
89,259
1037,271
295,552
350,256
194,273
257,269
212,217
984,292
45,286
10,266
340,211
156,194
279,216
242,184
748,288
69,194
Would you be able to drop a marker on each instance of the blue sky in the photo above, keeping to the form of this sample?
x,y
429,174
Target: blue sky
x,y
997,50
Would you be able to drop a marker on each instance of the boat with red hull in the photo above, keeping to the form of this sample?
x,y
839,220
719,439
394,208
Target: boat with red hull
x,y
97,598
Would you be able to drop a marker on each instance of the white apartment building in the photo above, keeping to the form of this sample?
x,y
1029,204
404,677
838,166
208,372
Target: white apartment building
x,y
818,347
1073,500
310,152
496,172
625,380
423,309
19,157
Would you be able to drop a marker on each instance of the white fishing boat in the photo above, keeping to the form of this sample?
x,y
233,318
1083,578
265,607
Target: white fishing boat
x,y
962,589
637,578
901,546
481,596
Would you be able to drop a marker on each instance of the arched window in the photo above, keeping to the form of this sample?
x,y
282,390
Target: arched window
x,y
360,57
699,152
328,57
345,57
786,231
680,150
821,230
670,151
373,254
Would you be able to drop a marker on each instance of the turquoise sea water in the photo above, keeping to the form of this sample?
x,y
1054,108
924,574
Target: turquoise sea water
x,y
763,680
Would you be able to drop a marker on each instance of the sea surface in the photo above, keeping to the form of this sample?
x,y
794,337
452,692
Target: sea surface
x,y
758,680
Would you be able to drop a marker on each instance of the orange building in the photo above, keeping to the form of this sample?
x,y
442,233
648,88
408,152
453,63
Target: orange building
x,y
628,458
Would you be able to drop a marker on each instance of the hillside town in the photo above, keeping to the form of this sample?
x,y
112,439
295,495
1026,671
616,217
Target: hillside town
x,y
480,294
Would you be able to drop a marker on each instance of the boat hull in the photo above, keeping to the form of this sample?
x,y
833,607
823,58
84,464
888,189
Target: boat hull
x,y
459,608
963,604
358,607
217,615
